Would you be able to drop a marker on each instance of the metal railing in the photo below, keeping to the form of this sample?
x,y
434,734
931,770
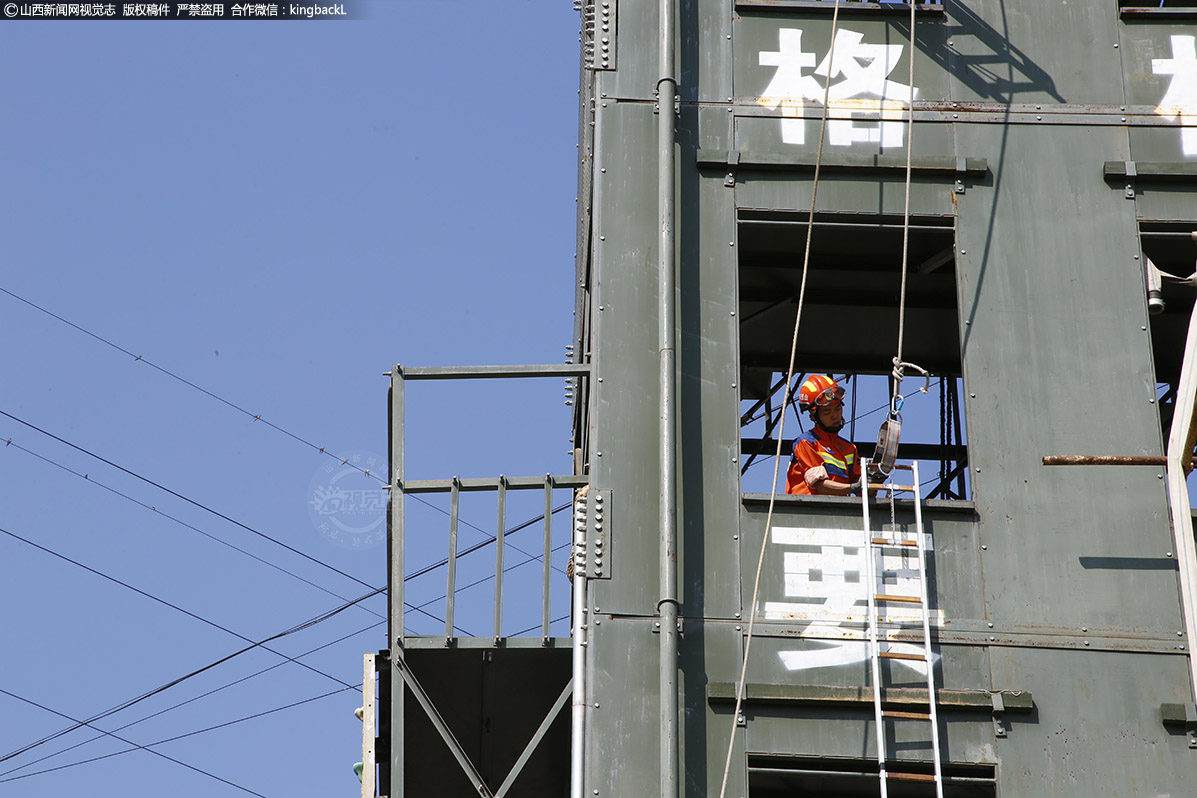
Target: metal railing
x,y
400,488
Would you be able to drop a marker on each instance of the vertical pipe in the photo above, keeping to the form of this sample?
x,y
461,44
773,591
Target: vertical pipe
x,y
548,556
450,591
499,537
393,785
577,740
667,607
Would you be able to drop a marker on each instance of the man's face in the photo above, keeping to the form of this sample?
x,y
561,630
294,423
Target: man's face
x,y
831,416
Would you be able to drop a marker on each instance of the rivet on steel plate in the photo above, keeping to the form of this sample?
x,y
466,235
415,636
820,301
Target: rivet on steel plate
x,y
600,379
1124,119
737,537
1115,45
1038,119
596,706
731,243
984,547
990,624
1169,554
1086,642
1159,476
657,624
992,639
978,469
1084,628
737,615
739,628
1180,634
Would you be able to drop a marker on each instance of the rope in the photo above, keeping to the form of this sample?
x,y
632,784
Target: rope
x,y
756,585
899,366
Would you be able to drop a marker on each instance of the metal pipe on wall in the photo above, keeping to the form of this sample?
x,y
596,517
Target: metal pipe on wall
x,y
577,739
667,606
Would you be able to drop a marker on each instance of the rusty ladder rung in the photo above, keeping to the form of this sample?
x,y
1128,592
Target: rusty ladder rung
x,y
897,715
900,655
903,599
889,542
909,776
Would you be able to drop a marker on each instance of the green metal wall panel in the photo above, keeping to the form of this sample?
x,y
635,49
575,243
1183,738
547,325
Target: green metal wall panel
x,y
709,431
1034,52
874,194
625,394
1096,728
1057,361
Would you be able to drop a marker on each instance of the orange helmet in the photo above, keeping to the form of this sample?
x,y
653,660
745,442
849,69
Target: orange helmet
x,y
818,391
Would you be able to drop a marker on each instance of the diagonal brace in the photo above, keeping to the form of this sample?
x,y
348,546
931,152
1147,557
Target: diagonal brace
x,y
439,724
536,738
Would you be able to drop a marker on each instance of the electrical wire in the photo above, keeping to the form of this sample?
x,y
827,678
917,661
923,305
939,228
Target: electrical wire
x,y
255,416
181,522
149,746
137,747
191,700
178,495
318,619
166,603
141,359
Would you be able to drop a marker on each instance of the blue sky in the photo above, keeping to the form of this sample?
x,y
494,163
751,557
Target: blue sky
x,y
277,213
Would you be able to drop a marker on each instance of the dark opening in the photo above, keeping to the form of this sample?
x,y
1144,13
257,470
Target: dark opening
x,y
849,329
1170,247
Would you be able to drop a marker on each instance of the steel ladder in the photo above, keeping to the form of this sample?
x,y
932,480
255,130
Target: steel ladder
x,y
876,545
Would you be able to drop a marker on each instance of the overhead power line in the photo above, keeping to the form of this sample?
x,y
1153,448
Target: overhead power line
x,y
183,523
255,416
149,746
190,501
136,746
173,707
142,359
192,674
166,603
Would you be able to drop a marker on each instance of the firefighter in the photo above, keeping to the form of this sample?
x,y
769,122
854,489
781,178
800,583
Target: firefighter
x,y
823,463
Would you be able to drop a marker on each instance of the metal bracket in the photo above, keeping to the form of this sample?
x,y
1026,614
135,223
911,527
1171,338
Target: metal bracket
x,y
598,33
598,534
733,160
999,707
1181,715
1131,174
960,171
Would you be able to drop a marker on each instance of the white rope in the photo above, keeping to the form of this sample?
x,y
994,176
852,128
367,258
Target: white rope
x,y
756,584
899,366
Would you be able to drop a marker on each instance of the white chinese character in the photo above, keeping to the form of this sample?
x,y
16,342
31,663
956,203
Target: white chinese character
x,y
828,576
789,86
862,71
1181,97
